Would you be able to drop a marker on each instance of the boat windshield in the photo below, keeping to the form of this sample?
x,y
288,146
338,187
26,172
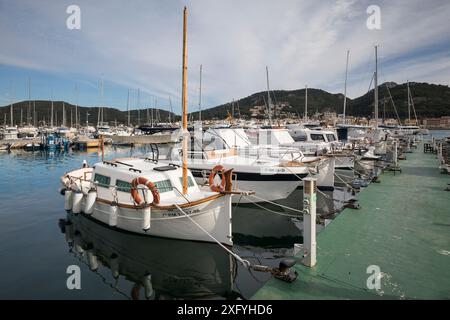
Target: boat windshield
x,y
317,137
331,137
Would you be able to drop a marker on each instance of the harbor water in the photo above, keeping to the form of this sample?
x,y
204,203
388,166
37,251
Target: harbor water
x,y
39,241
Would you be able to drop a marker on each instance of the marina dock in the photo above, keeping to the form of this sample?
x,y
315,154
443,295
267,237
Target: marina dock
x,y
403,227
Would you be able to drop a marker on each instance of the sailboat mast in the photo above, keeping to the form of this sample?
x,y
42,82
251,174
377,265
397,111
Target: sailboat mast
x,y
409,103
200,97
268,97
138,106
76,106
170,114
29,102
101,102
34,113
128,107
376,86
12,117
345,84
63,115
184,103
51,115
306,103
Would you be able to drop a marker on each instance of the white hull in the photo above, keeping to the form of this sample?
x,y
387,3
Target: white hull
x,y
268,190
214,216
344,176
325,178
365,165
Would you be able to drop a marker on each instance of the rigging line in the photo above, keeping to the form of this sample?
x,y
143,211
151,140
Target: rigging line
x,y
246,263
393,103
370,84
412,103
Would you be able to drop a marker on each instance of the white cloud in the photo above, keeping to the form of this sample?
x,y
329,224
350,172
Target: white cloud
x,y
138,44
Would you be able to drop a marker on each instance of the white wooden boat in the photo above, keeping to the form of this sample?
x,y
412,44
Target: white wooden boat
x,y
141,196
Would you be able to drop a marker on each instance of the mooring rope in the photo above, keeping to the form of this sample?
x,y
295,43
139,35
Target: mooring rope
x,y
273,211
277,204
246,263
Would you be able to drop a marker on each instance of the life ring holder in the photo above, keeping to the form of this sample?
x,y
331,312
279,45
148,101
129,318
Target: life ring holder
x,y
135,192
217,187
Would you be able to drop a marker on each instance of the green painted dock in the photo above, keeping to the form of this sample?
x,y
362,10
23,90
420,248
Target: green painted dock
x,y
403,227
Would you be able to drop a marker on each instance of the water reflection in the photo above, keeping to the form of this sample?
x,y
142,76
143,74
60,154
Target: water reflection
x,y
273,226
133,265
157,268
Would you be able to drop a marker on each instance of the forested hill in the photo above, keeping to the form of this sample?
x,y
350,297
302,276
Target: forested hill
x,y
430,100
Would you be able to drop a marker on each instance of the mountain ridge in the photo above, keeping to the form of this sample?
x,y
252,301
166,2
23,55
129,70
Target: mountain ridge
x,y
430,100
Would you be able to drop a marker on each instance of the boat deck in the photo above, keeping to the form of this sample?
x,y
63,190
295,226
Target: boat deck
x,y
403,227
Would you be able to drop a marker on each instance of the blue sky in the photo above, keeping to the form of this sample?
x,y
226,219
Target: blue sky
x,y
137,44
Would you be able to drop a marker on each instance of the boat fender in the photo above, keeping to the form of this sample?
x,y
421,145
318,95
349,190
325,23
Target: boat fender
x,y
135,192
114,265
78,242
147,281
68,200
113,214
146,218
90,201
62,191
69,233
77,198
217,187
92,260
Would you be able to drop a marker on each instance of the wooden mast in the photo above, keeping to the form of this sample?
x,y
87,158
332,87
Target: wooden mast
x,y
184,103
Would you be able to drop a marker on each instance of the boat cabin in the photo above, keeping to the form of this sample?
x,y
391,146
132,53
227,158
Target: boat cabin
x,y
114,178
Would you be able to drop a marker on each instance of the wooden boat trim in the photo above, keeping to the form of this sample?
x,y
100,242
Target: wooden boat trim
x,y
158,207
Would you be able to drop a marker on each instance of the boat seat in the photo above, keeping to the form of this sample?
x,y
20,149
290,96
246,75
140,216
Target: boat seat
x,y
165,168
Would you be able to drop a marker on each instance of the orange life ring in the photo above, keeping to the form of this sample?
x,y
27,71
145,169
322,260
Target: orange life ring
x,y
217,187
135,193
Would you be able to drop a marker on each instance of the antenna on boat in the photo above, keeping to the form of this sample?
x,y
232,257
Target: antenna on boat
x,y
184,102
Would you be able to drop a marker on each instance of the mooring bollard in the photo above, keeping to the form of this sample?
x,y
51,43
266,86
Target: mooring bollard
x,y
309,221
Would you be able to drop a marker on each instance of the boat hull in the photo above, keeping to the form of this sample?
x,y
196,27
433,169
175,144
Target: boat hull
x,y
212,215
266,186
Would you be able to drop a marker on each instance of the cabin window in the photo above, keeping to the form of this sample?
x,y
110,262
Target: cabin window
x,y
190,182
101,180
331,137
317,137
163,186
299,136
123,186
